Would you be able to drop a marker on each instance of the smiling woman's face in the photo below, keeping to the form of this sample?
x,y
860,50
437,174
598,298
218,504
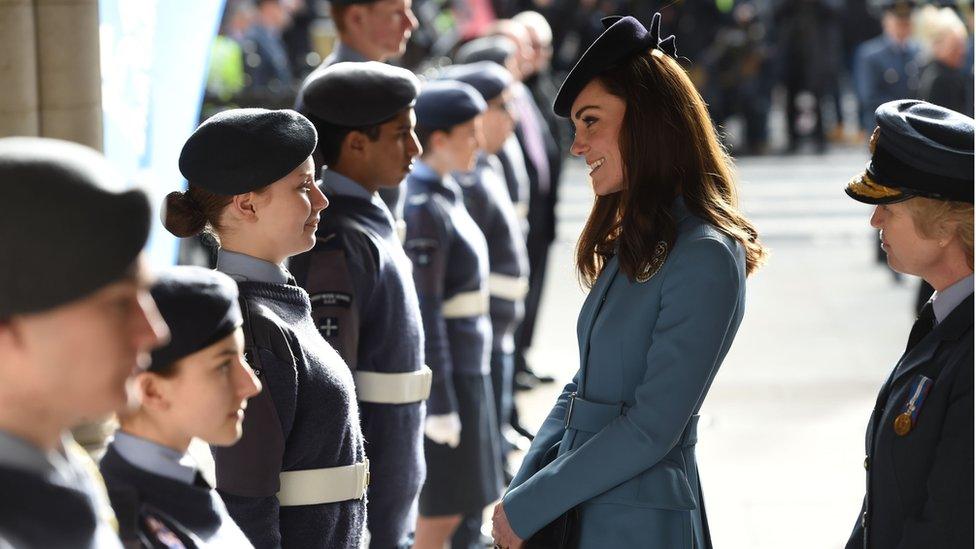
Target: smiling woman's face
x,y
598,117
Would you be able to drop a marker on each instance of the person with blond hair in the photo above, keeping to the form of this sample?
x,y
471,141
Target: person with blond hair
x,y
919,443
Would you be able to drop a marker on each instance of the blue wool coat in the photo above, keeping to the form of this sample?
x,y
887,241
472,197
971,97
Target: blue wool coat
x,y
648,354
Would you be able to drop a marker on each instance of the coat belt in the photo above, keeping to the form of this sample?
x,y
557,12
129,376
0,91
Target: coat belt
x,y
327,485
592,417
399,388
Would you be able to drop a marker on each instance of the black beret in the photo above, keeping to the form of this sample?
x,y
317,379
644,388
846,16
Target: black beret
x,y
68,227
443,104
622,38
901,8
239,150
351,2
359,94
199,306
918,149
496,49
488,78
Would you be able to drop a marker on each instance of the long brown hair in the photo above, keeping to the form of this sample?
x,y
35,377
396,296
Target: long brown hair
x,y
669,147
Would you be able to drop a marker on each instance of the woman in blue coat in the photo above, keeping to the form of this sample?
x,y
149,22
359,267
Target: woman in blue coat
x,y
666,253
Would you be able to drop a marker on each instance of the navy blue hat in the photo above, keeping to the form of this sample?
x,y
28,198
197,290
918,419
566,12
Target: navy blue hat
x,y
918,149
199,306
355,95
623,37
239,150
496,49
488,78
444,104
68,227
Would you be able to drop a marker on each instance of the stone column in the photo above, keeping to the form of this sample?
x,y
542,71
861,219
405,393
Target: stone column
x,y
18,69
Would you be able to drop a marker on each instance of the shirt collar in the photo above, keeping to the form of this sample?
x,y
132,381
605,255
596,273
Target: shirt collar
x,y
18,453
947,300
242,267
344,52
340,185
155,458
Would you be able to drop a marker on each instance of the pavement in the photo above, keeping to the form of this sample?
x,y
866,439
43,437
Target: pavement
x,y
781,441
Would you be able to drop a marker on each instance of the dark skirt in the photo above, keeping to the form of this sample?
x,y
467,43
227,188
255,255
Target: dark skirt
x,y
467,478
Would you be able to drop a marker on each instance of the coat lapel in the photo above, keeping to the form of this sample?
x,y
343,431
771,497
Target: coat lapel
x,y
599,294
950,329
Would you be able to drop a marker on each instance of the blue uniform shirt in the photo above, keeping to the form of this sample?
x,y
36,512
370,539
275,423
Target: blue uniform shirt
x,y
884,71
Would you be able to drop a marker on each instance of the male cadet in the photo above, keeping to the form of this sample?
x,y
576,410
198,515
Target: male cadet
x,y
76,321
489,204
359,278
370,30
886,67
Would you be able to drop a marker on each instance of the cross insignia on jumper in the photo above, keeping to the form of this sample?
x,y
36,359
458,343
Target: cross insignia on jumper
x,y
330,327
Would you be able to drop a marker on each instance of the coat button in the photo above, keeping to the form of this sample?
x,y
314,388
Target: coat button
x,y
864,519
867,462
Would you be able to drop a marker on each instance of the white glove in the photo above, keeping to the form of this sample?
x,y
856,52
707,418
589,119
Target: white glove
x,y
444,429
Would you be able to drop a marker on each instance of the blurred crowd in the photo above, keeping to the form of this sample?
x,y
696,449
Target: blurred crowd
x,y
825,64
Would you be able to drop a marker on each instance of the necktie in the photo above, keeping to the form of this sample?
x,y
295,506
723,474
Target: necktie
x,y
923,325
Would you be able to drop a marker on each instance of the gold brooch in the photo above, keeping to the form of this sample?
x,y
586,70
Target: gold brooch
x,y
660,254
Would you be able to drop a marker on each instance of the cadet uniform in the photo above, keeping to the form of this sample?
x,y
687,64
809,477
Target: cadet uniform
x,y
487,200
298,476
56,499
156,491
450,268
885,70
363,298
919,442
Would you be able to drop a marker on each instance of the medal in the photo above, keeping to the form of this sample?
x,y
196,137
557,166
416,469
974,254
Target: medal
x,y
903,424
905,421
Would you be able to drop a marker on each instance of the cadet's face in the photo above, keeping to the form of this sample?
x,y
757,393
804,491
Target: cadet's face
x,y
499,122
206,396
83,353
908,252
390,157
389,24
598,118
462,143
287,213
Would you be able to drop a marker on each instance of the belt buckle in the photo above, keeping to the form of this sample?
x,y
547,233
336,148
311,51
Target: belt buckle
x,y
569,411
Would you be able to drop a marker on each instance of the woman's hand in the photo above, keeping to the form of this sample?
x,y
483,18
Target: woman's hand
x,y
501,530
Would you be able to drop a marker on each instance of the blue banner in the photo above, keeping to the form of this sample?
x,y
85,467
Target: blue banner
x,y
154,56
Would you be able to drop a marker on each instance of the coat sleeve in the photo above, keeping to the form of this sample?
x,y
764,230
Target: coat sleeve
x,y
427,244
946,517
549,434
248,472
699,300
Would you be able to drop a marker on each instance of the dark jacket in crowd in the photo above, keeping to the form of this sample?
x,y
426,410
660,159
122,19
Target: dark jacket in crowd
x,y
947,87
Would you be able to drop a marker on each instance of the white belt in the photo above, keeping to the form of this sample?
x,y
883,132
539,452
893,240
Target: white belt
x,y
522,210
401,388
512,288
466,304
328,485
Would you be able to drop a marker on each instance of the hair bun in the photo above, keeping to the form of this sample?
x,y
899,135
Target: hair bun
x,y
182,216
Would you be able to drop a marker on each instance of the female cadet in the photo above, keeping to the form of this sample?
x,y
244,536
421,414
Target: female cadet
x,y
666,253
919,444
298,475
196,386
450,269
